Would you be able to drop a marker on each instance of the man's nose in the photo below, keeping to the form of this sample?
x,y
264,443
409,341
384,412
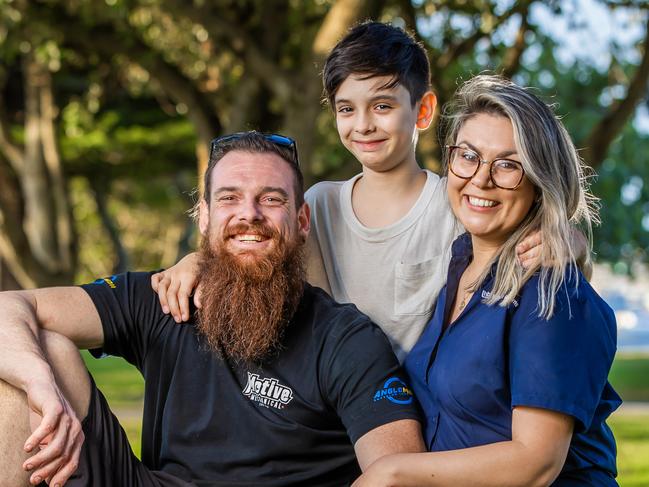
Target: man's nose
x,y
250,211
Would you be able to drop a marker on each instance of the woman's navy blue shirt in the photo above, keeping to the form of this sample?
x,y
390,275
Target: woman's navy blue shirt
x,y
469,377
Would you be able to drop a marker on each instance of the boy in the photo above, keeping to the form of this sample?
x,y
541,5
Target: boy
x,y
382,239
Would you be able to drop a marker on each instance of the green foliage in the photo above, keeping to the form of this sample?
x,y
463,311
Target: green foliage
x,y
139,86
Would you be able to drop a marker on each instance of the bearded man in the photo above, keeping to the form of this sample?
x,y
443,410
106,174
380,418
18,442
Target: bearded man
x,y
271,383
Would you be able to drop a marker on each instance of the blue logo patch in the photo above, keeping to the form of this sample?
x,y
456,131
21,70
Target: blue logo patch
x,y
111,281
394,390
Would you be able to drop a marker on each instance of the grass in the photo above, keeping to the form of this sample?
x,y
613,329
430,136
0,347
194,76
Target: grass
x,y
122,385
630,377
631,432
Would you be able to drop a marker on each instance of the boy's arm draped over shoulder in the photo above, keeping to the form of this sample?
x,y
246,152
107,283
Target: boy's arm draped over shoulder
x,y
176,285
316,274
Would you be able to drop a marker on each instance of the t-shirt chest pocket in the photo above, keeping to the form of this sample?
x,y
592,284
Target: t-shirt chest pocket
x,y
416,286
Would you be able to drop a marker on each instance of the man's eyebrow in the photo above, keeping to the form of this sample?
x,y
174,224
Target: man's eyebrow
x,y
225,189
275,189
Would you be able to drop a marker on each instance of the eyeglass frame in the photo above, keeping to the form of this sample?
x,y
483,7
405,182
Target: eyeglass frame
x,y
277,139
451,148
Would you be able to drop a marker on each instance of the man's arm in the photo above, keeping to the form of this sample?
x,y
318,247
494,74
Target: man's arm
x,y
403,436
70,312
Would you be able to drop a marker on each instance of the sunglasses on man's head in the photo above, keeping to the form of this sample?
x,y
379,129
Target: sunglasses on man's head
x,y
277,139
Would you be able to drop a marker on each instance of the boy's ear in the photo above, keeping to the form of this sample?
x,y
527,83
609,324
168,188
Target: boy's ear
x,y
426,110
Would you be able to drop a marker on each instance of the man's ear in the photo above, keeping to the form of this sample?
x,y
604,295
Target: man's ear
x,y
304,221
426,110
203,216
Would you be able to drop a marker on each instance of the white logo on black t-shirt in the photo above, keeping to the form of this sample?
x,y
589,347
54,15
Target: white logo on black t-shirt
x,y
267,392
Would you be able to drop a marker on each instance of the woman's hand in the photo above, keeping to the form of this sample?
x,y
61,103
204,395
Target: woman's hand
x,y
175,285
382,473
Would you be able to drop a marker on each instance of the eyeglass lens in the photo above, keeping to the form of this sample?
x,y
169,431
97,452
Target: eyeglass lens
x,y
504,173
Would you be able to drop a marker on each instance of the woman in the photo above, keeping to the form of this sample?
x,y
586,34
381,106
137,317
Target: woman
x,y
512,369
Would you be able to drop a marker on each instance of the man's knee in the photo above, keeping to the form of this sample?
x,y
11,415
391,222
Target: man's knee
x,y
69,370
14,430
73,380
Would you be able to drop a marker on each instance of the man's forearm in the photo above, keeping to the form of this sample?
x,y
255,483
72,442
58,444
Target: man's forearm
x,y
22,361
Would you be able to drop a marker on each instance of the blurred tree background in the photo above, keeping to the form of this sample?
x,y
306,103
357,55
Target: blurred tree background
x,y
107,107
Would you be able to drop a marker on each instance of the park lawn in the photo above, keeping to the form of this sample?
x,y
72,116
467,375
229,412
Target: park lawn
x,y
122,385
631,432
630,377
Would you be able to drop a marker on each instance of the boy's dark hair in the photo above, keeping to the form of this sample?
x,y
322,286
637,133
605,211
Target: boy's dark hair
x,y
255,143
376,49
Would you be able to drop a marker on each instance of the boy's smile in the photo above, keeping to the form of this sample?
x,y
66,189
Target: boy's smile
x,y
376,124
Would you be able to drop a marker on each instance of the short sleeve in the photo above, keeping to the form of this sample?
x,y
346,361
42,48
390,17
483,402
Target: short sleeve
x,y
316,272
562,364
363,380
130,314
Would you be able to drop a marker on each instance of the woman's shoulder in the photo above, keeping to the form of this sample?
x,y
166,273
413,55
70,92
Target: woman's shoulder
x,y
575,299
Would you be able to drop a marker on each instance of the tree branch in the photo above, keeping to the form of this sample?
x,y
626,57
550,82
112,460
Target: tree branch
x,y
11,151
641,4
512,59
341,16
606,130
34,180
468,43
65,235
99,192
14,247
256,59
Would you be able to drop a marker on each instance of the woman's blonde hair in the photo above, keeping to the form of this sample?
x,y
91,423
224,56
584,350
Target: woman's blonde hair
x,y
552,165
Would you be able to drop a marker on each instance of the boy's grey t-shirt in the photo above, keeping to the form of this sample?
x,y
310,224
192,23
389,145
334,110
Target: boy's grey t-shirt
x,y
393,274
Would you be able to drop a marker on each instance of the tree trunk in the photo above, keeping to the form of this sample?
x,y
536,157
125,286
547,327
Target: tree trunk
x,y
37,241
7,281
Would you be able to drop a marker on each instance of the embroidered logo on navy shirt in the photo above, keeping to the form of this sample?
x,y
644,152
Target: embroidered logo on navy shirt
x,y
394,390
109,281
267,392
487,295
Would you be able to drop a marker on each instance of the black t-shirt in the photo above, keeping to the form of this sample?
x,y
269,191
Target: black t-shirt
x,y
292,421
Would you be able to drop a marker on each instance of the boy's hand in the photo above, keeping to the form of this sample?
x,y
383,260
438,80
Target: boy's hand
x,y
175,285
529,250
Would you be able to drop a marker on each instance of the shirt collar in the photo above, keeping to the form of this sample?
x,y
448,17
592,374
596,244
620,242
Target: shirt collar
x,y
462,246
461,254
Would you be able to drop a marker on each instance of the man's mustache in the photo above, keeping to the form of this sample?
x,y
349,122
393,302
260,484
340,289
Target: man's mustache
x,y
261,229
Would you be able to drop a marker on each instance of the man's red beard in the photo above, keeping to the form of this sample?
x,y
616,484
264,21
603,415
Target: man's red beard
x,y
248,301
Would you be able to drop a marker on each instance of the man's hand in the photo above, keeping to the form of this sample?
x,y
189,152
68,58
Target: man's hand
x,y
56,435
175,285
